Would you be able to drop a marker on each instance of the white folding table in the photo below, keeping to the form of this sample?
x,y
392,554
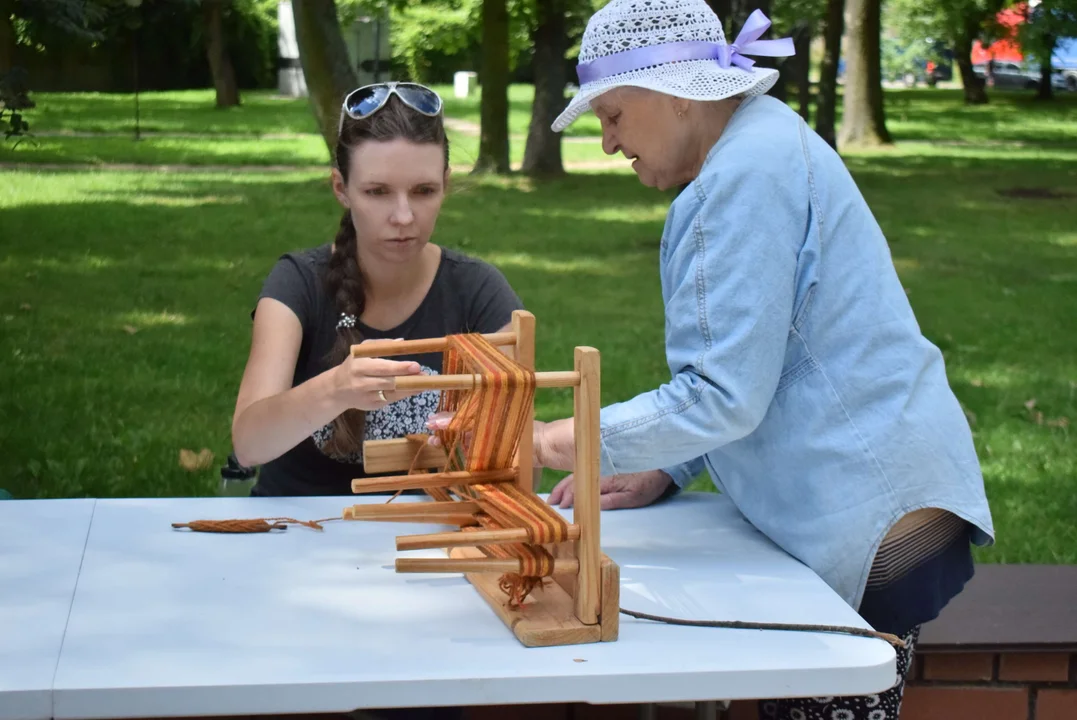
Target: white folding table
x,y
41,544
169,622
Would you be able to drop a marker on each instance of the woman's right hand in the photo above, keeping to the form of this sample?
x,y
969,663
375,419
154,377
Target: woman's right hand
x,y
367,383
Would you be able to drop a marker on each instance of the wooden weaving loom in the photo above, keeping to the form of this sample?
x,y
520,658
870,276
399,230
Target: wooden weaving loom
x,y
547,579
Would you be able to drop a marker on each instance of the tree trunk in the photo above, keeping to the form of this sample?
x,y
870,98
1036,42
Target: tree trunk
x,y
724,10
739,10
326,66
803,70
7,36
827,102
542,154
975,94
973,85
780,89
220,62
494,81
1046,92
864,118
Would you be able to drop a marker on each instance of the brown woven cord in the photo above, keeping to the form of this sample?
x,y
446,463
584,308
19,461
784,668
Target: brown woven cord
x,y
252,525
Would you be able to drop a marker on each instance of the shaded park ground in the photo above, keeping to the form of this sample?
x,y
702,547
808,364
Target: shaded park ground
x,y
125,287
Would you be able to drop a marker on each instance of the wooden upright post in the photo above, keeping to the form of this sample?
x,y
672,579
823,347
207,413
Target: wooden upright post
x,y
523,327
587,404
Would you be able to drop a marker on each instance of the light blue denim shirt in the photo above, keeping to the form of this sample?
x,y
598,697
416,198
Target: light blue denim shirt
x,y
799,375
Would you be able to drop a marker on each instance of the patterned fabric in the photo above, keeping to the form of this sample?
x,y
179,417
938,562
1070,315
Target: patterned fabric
x,y
399,419
881,706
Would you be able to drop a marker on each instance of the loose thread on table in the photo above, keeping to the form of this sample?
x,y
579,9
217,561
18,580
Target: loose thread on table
x,y
253,525
742,625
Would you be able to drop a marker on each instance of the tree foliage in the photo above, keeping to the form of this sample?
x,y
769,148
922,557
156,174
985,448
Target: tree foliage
x,y
1044,24
956,23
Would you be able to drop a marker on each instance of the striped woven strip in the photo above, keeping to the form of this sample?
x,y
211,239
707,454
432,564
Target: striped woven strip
x,y
494,413
484,434
513,508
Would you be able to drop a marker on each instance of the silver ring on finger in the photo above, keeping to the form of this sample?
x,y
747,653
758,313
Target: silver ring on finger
x,y
381,394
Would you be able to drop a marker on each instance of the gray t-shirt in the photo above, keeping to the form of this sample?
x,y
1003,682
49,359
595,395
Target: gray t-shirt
x,y
467,295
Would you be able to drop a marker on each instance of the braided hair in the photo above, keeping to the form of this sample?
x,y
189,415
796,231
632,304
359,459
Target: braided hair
x,y
344,278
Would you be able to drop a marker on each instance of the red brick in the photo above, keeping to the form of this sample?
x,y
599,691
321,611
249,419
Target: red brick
x,y
916,672
1053,667
958,666
743,710
1056,704
964,703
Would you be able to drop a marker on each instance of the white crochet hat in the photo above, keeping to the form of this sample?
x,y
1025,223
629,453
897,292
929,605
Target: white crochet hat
x,y
675,47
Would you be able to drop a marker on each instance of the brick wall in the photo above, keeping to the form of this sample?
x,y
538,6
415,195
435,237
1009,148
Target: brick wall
x,y
992,686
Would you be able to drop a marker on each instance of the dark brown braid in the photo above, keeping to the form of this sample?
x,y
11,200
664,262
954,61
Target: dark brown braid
x,y
344,278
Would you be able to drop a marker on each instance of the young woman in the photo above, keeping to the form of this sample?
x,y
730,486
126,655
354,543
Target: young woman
x,y
304,406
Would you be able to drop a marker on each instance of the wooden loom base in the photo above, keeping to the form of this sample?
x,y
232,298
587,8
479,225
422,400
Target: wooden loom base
x,y
547,616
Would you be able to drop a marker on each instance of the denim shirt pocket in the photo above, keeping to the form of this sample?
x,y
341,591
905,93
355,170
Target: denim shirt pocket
x,y
798,361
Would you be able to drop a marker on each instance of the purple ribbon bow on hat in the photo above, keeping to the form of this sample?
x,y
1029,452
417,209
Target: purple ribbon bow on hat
x,y
747,43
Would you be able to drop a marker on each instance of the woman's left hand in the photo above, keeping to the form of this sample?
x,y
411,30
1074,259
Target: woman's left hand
x,y
616,491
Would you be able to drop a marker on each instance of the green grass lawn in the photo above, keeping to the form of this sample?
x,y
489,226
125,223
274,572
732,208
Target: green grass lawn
x,y
299,151
124,296
183,127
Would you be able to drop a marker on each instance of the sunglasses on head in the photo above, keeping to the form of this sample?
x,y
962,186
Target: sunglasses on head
x,y
367,100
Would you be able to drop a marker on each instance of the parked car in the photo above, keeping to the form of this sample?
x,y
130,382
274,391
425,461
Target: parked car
x,y
1064,61
1006,74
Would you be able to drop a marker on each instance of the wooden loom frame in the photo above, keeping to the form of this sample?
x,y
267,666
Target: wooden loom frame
x,y
579,603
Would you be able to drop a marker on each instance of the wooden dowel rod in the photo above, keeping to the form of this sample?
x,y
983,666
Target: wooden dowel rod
x,y
389,348
414,509
422,481
556,379
471,538
458,519
466,565
399,454
523,326
587,404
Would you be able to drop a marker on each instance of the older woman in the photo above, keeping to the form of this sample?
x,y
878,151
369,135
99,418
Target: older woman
x,y
800,379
